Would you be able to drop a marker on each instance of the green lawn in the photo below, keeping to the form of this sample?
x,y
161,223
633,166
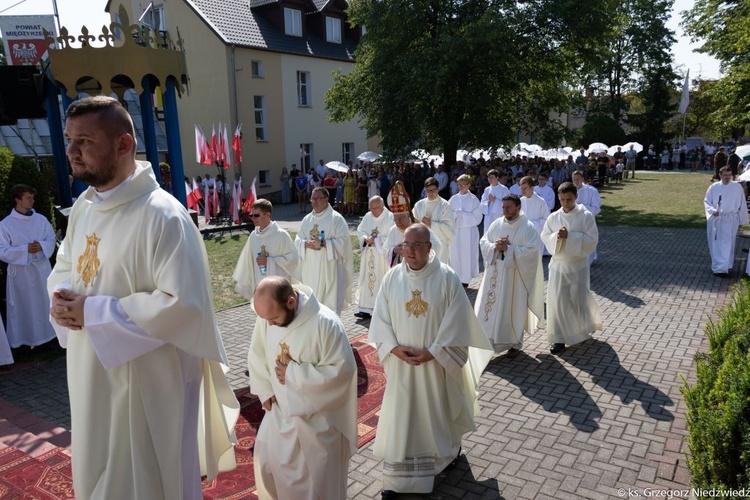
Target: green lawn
x,y
223,253
656,200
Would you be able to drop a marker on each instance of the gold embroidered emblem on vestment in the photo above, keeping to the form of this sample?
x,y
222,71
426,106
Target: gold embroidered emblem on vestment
x,y
88,263
284,350
416,305
314,232
263,251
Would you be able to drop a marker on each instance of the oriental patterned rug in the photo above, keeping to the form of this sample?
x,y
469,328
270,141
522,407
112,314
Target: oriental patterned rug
x,y
240,483
47,476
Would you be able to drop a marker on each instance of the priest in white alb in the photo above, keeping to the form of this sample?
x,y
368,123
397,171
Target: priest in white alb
x,y
27,241
433,351
269,248
534,207
325,250
437,214
467,215
303,371
492,198
588,196
151,409
570,235
726,210
372,233
511,297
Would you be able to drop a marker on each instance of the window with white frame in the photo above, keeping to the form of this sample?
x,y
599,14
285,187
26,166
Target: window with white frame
x,y
292,22
259,102
303,88
263,177
347,149
257,69
333,29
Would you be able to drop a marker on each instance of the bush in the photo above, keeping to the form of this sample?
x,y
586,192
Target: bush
x,y
719,403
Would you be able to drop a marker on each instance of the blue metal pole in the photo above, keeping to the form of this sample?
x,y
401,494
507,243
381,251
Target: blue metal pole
x,y
149,129
54,120
173,142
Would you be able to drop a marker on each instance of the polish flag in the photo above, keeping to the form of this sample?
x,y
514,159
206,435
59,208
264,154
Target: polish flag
x,y
198,146
196,192
237,145
206,158
225,149
214,150
251,197
192,203
237,200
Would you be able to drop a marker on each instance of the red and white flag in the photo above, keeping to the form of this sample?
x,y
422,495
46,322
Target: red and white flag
x,y
197,191
237,200
225,149
251,197
205,155
192,203
214,150
198,146
237,145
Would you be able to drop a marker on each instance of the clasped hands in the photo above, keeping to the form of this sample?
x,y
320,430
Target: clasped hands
x,y
35,247
280,370
66,309
501,244
315,244
412,356
562,233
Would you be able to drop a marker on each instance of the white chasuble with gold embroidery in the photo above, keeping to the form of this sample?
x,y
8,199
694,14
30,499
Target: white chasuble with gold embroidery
x,y
329,271
151,410
511,297
426,408
374,262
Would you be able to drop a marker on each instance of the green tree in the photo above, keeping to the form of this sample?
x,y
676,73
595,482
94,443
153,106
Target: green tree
x,y
442,73
724,29
3,60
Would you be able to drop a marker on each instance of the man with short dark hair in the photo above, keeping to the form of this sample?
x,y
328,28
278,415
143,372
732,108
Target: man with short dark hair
x,y
325,250
570,235
302,369
132,303
269,251
433,351
492,198
726,209
27,241
436,213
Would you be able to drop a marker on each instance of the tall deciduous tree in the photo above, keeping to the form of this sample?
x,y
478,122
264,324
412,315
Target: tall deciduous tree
x,y
724,27
443,73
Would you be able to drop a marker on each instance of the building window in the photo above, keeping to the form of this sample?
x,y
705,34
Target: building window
x,y
292,22
263,177
260,117
303,88
305,157
257,68
347,150
333,29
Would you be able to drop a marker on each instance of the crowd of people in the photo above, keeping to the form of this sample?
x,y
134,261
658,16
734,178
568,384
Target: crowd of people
x,y
420,248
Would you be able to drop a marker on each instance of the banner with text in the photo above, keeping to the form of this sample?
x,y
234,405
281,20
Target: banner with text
x,y
23,39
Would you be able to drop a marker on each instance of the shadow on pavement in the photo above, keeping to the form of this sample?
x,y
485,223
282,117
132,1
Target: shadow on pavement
x,y
447,481
601,361
548,383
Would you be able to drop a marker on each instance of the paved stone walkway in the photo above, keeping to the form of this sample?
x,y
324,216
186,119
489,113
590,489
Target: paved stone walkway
x,y
604,415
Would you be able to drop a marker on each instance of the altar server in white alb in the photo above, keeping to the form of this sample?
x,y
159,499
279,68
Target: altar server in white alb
x,y
534,207
437,214
588,196
325,252
27,242
492,199
433,351
570,234
726,210
151,409
372,233
546,192
467,215
302,368
269,251
511,296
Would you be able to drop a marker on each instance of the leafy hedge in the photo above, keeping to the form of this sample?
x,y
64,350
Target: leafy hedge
x,y
719,403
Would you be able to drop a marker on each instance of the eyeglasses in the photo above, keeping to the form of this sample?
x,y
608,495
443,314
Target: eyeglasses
x,y
255,216
415,246
319,198
431,190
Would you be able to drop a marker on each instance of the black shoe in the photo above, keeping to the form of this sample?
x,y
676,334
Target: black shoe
x,y
247,373
363,315
722,275
388,494
512,352
556,348
454,462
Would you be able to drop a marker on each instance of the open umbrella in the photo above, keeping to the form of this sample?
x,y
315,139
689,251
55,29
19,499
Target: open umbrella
x,y
437,158
338,166
368,156
613,149
419,154
597,147
636,146
743,152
